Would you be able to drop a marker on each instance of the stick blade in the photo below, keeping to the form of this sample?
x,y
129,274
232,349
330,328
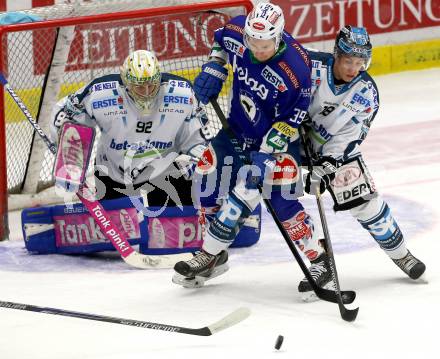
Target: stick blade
x,y
350,315
348,296
143,261
231,319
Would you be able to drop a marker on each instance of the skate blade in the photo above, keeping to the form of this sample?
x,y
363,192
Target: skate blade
x,y
198,281
309,297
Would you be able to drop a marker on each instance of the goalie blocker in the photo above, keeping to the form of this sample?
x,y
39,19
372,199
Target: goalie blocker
x,y
73,155
72,230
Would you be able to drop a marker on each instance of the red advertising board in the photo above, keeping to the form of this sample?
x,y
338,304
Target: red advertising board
x,y
107,44
320,20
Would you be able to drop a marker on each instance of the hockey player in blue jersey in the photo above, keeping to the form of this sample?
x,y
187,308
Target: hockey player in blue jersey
x,y
150,121
270,97
345,101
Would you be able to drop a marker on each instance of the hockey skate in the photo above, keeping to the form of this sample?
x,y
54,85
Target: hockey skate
x,y
202,267
321,274
412,266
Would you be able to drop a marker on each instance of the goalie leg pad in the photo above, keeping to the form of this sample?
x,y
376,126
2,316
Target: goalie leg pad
x,y
75,147
71,229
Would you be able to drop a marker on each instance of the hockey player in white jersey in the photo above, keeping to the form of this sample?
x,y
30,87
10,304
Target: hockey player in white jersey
x,y
149,122
345,101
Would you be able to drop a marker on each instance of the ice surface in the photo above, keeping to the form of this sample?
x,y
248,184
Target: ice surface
x,y
398,318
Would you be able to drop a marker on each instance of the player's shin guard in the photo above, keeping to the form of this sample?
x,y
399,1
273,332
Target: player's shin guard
x,y
211,261
375,216
301,231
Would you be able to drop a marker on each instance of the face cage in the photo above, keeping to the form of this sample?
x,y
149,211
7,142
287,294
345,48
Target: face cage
x,y
143,103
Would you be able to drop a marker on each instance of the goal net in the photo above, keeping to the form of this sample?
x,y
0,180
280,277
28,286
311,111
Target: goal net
x,y
75,43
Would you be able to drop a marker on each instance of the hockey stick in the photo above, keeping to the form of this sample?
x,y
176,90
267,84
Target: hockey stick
x,y
228,321
346,314
85,194
325,294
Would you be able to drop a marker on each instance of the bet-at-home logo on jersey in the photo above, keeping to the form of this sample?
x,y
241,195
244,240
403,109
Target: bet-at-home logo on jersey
x,y
273,78
253,84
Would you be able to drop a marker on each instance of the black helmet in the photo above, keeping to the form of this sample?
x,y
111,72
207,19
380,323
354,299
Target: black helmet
x,y
354,41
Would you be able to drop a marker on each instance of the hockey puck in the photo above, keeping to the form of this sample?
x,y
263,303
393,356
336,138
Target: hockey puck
x,y
279,342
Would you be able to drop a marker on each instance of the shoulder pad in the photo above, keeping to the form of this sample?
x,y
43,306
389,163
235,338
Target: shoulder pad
x,y
318,56
235,25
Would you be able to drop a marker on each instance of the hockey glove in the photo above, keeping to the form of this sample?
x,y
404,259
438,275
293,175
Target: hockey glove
x,y
262,164
73,106
278,137
209,82
320,178
187,163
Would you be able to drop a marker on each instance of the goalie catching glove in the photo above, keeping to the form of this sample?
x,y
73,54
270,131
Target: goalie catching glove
x,y
323,173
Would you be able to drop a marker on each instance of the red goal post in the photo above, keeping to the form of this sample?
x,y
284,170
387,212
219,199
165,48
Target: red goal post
x,y
45,60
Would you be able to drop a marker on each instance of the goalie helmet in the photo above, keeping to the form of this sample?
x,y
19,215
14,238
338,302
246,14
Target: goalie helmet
x,y
354,41
141,75
265,22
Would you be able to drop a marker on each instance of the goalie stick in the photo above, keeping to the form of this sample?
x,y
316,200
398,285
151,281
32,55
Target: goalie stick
x,y
346,314
325,294
97,211
228,321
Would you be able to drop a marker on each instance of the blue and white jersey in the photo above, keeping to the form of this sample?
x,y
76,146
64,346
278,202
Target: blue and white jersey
x,y
133,144
277,90
340,115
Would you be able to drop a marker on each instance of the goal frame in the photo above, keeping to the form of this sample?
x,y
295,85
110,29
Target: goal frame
x,y
73,21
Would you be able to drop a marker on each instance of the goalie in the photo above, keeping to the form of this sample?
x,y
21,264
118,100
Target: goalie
x,y
152,131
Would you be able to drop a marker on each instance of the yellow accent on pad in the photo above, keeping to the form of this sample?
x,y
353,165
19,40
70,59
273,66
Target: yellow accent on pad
x,y
285,129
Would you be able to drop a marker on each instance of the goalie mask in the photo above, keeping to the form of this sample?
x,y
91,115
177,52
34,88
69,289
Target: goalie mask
x,y
264,22
354,42
141,75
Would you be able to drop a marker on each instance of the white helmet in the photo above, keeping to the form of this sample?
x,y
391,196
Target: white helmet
x,y
141,75
265,22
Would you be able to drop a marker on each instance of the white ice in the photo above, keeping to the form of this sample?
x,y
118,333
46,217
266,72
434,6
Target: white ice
x,y
398,318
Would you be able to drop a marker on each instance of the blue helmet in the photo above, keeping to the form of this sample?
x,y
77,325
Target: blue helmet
x,y
354,41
